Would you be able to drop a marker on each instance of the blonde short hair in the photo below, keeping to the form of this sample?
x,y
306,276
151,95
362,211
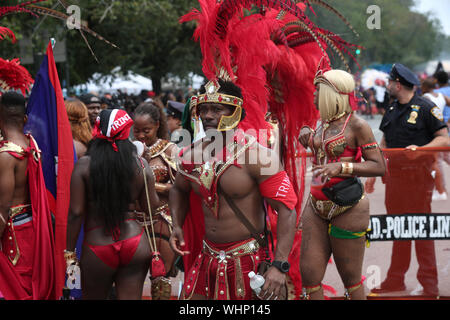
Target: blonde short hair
x,y
333,86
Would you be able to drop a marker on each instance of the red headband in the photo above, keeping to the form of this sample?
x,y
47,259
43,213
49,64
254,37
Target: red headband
x,y
113,125
351,99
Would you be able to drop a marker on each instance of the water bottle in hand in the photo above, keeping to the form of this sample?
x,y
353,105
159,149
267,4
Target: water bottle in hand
x,y
256,282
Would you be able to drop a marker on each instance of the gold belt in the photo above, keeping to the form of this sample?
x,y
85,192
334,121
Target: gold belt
x,y
327,209
14,211
247,248
242,250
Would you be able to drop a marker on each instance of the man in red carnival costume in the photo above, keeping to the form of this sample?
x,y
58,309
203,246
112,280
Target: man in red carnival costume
x,y
272,56
26,256
230,250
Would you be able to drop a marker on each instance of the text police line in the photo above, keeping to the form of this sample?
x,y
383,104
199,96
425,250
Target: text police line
x,y
409,227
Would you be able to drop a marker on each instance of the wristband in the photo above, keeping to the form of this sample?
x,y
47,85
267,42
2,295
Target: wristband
x,y
347,167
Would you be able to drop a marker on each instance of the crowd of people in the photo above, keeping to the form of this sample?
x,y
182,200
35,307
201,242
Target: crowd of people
x,y
211,182
134,219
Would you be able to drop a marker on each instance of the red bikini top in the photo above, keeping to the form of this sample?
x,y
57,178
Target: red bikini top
x,y
336,147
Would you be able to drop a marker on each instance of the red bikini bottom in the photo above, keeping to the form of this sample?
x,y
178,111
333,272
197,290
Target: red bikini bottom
x,y
118,253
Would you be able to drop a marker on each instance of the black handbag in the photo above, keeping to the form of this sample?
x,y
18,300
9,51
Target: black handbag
x,y
345,193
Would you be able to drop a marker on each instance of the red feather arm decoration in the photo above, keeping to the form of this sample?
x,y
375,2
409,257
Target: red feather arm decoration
x,y
5,32
14,76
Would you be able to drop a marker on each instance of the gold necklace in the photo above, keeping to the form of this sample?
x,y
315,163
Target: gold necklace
x,y
321,152
156,147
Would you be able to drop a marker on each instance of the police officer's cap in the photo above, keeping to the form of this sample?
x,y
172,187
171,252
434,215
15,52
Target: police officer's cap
x,y
89,98
403,75
175,109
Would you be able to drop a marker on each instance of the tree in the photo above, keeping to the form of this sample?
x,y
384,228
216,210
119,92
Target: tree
x,y
151,41
405,36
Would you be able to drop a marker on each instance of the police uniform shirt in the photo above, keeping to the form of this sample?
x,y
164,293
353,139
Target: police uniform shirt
x,y
412,124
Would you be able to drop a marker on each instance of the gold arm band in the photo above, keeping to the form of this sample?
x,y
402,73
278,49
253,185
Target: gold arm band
x,y
347,167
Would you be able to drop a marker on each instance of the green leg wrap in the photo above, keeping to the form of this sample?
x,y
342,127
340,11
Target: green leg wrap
x,y
345,234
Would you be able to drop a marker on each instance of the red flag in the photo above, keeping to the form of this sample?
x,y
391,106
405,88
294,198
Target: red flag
x,y
49,124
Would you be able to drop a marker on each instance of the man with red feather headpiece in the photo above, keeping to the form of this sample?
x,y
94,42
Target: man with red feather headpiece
x,y
272,56
26,249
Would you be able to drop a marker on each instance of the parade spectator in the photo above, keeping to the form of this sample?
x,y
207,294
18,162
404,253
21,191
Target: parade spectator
x,y
174,116
94,106
81,127
428,86
444,88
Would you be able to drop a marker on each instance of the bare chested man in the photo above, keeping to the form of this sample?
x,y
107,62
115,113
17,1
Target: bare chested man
x,y
230,251
106,187
26,249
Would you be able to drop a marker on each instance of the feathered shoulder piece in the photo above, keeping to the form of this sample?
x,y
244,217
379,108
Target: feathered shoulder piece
x,y
14,76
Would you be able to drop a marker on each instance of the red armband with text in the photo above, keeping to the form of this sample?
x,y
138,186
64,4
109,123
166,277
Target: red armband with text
x,y
279,187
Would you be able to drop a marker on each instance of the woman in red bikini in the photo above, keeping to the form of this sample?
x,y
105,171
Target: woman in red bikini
x,y
339,144
150,128
106,187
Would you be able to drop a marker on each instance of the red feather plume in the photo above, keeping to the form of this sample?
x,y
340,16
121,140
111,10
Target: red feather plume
x,y
5,32
14,76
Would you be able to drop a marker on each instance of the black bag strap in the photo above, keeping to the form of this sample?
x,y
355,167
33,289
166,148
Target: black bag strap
x,y
240,215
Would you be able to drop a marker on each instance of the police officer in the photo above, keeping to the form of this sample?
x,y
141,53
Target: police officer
x,y
409,122
174,115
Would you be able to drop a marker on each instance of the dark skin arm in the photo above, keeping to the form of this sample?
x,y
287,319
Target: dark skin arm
x,y
179,206
77,208
374,164
7,185
286,221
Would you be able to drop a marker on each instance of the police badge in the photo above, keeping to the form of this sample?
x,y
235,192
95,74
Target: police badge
x,y
414,114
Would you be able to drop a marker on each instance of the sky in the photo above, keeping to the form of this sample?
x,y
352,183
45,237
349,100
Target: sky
x,y
441,10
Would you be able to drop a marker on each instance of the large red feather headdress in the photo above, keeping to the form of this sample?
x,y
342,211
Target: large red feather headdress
x,y
272,55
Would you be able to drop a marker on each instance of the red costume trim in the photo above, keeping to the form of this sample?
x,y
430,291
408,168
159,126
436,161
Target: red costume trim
x,y
223,276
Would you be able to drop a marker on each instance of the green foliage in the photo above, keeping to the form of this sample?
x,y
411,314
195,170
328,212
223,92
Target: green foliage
x,y
405,36
153,43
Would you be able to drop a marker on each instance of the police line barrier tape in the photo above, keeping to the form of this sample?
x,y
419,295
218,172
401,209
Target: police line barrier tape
x,y
409,227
